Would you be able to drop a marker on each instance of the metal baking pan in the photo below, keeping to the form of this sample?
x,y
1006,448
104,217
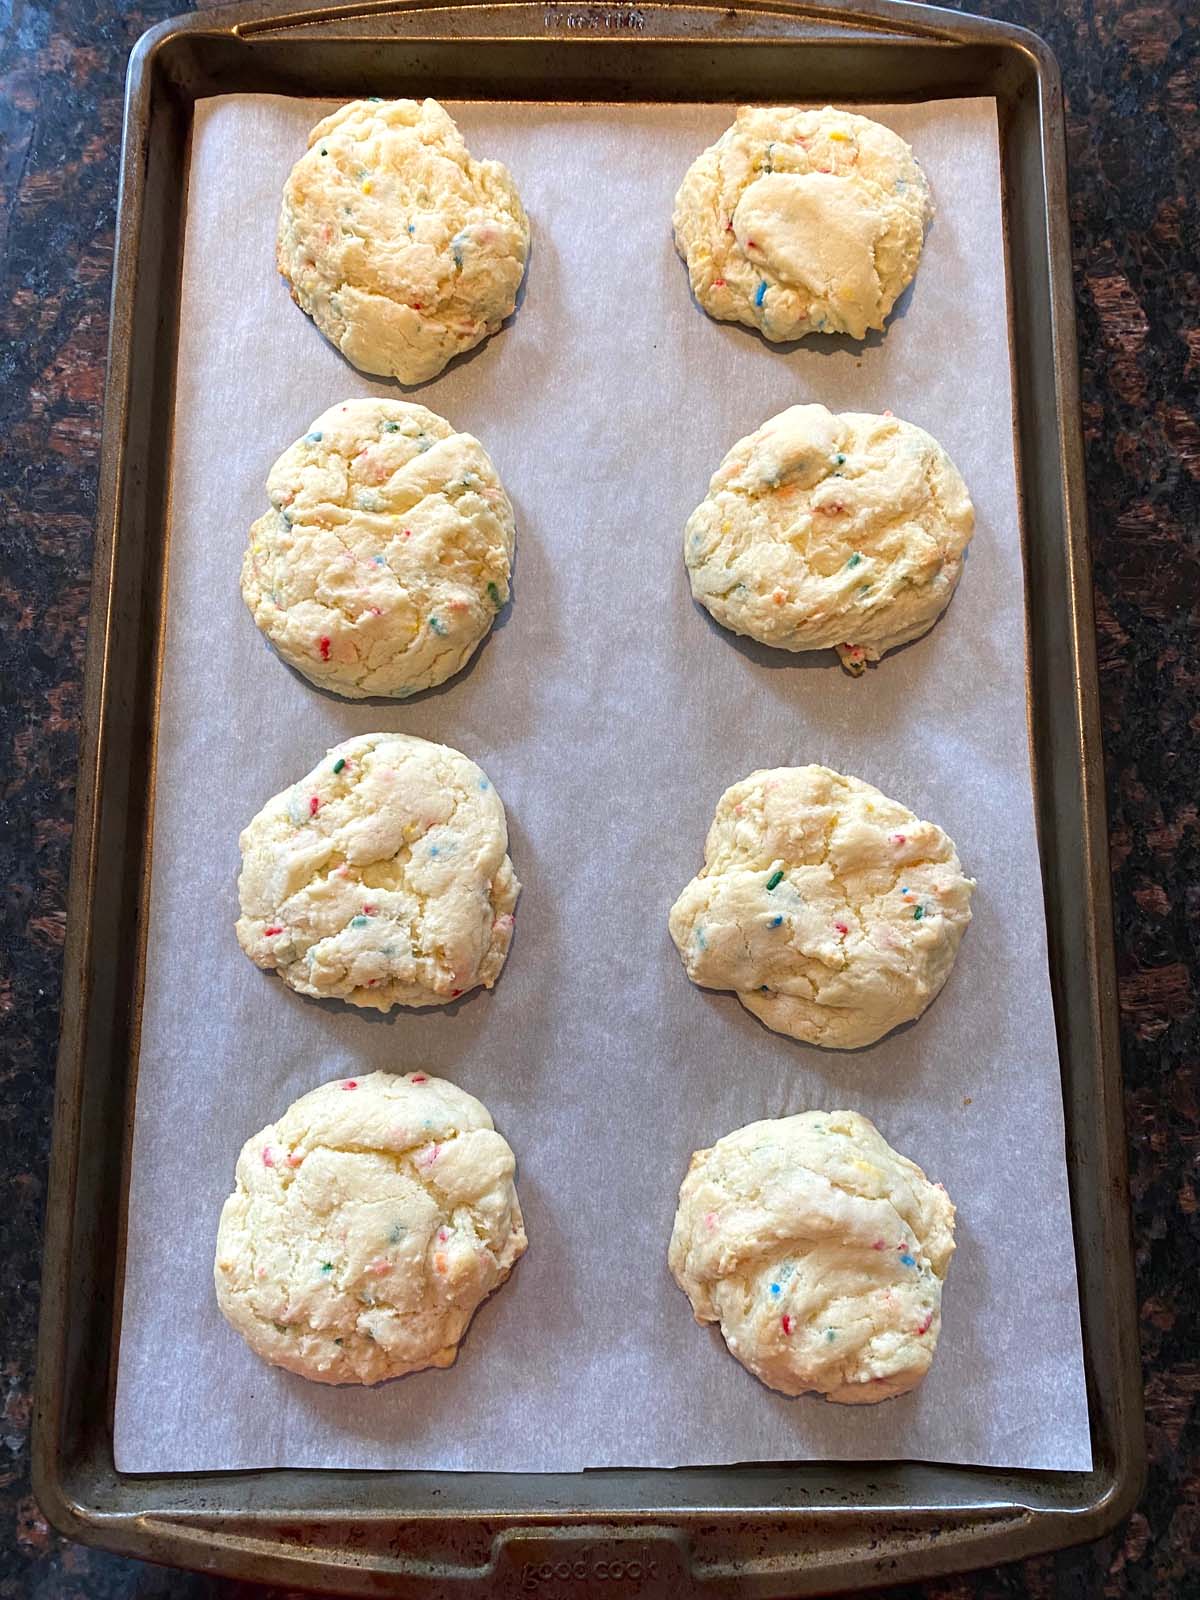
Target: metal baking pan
x,y
758,1529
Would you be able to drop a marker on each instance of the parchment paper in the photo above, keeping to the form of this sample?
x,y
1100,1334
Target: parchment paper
x,y
611,713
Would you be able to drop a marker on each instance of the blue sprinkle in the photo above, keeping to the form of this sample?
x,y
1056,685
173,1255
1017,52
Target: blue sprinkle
x,y
907,1261
700,939
901,185
313,438
484,784
774,1288
760,294
411,228
433,849
776,922
904,891
380,562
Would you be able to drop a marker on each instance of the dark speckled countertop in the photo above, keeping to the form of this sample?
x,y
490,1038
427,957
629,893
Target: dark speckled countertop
x,y
1132,75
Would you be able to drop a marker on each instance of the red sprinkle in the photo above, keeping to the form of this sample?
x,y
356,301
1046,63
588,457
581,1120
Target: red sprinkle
x,y
269,933
898,838
841,927
314,805
788,1322
879,1244
369,911
419,1077
268,1158
350,1083
323,643
924,1328
454,993
718,283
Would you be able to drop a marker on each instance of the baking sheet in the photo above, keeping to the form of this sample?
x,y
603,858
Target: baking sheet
x,y
611,713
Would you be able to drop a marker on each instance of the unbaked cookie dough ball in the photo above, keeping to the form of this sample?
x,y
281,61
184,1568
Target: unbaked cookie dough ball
x,y
831,911
800,222
386,553
824,531
367,1225
402,248
820,1251
381,877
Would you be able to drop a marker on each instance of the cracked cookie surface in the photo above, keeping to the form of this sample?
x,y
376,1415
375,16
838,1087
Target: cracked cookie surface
x,y
799,222
381,877
831,911
830,531
386,553
820,1251
367,1225
401,246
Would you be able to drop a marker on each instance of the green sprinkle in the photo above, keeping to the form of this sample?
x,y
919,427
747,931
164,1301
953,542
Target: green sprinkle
x,y
339,763
373,100
839,459
327,1266
337,1341
854,560
775,879
391,427
438,626
358,922
324,152
918,913
830,1335
494,596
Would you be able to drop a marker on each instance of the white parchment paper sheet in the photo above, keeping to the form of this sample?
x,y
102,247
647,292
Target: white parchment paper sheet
x,y
611,713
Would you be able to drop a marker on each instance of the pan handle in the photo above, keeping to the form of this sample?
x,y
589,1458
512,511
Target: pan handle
x,y
817,20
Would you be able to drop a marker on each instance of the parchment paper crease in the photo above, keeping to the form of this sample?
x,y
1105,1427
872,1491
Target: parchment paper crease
x,y
611,713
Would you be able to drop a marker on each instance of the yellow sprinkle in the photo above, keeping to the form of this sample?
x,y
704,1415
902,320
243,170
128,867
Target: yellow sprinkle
x,y
366,186
844,138
865,1166
725,527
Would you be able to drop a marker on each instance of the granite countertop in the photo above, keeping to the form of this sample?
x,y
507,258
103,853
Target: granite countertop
x,y
1132,78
